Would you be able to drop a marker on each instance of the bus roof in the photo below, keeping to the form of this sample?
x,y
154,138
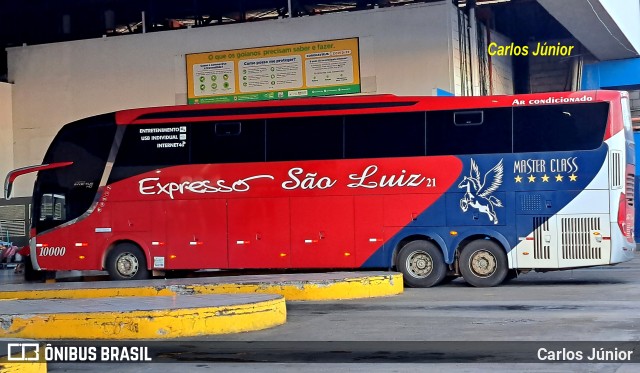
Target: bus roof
x,y
341,105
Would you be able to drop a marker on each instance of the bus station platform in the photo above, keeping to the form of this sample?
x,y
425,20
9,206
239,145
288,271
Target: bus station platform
x,y
173,308
121,318
292,286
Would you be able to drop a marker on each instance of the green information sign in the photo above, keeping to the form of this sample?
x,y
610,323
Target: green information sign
x,y
311,69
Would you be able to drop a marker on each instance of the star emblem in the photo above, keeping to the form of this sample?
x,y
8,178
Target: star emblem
x,y
573,177
532,178
518,179
559,177
545,178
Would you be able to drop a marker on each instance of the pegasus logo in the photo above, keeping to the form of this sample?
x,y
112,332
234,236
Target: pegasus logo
x,y
478,193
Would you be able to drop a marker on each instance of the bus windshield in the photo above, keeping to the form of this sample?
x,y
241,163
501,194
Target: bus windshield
x,y
64,194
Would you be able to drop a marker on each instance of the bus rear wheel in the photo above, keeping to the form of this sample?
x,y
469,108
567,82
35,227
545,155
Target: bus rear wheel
x,y
483,263
422,264
126,261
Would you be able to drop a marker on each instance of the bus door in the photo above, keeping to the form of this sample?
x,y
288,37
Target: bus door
x,y
322,232
196,234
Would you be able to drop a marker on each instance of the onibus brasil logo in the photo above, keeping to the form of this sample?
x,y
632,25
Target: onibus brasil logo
x,y
478,193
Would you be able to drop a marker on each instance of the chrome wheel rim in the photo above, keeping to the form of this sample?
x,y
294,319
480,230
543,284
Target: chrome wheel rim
x,y
127,265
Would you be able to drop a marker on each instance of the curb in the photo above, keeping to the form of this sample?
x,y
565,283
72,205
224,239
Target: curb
x,y
148,318
294,287
347,288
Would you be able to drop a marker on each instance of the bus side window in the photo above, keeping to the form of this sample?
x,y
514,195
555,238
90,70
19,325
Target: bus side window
x,y
227,142
385,135
559,127
46,207
305,138
148,148
485,131
52,207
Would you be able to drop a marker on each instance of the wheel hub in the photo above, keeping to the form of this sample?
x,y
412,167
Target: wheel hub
x,y
127,265
483,263
420,264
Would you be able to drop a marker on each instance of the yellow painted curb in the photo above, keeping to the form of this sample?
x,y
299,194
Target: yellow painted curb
x,y
18,367
345,288
89,292
10,366
154,324
350,288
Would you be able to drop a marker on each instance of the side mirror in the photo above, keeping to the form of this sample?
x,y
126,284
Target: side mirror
x,y
12,175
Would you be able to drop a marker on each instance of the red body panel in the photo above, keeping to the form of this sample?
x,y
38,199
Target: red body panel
x,y
259,233
288,214
369,232
196,234
322,232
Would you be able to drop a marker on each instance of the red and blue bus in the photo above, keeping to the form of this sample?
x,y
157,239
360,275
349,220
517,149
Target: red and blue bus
x,y
433,187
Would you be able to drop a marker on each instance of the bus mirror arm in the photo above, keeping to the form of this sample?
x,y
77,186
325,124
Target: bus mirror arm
x,y
7,188
12,175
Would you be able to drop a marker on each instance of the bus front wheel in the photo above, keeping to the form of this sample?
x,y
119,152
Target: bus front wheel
x,y
422,264
126,261
31,274
483,263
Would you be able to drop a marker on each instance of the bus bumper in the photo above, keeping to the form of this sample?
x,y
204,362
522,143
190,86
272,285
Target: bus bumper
x,y
32,254
623,252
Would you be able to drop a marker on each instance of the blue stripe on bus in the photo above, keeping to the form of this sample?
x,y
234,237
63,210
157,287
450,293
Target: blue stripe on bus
x,y
531,184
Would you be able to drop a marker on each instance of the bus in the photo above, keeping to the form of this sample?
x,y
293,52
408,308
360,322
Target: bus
x,y
433,187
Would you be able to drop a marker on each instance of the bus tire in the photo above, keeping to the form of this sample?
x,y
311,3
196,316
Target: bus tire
x,y
126,261
483,263
422,264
